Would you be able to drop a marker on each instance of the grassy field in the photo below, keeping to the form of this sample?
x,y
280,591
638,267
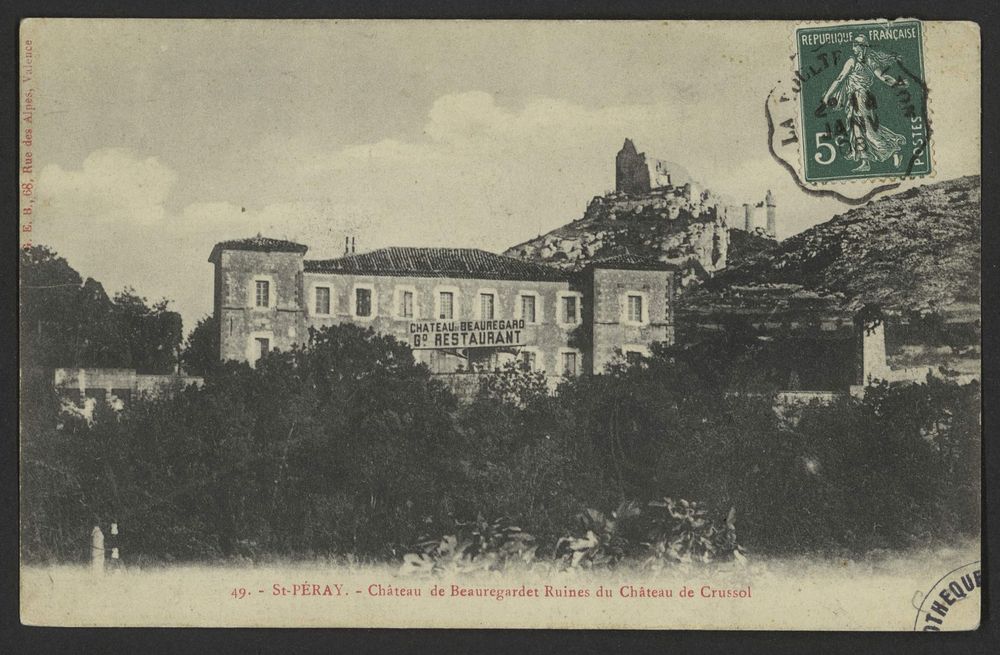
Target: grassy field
x,y
877,593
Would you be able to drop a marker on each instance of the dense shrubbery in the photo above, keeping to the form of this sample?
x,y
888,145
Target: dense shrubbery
x,y
348,447
664,533
344,446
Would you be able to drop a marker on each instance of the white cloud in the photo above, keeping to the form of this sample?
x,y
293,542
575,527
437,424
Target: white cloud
x,y
478,174
489,175
380,153
466,117
112,184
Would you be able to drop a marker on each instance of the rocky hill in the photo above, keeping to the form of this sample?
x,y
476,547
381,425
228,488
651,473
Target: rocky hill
x,y
919,250
677,224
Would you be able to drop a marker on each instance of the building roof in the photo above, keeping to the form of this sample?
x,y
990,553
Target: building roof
x,y
628,261
257,244
437,262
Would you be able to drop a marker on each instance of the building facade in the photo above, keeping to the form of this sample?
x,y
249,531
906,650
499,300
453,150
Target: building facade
x,y
459,309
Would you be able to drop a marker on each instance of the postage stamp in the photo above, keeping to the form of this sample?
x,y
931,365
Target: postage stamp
x,y
863,100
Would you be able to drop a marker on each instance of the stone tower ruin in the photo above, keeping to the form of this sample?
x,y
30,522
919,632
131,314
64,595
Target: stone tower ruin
x,y
637,174
772,228
631,171
761,216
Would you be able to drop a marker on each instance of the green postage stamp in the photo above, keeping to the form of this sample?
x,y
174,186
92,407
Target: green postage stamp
x,y
863,100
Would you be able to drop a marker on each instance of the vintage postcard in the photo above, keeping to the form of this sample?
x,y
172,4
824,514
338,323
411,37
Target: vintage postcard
x,y
519,324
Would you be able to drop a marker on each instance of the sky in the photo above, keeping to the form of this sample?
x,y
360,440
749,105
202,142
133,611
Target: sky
x,y
153,140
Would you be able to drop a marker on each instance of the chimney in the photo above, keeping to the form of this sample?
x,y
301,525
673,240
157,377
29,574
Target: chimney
x,y
347,245
352,245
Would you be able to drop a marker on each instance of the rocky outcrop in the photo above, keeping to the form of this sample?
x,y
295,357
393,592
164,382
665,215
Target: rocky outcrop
x,y
658,212
914,252
679,225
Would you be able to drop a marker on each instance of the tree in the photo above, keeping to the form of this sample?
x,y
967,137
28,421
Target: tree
x,y
149,335
200,355
68,322
52,296
343,445
347,446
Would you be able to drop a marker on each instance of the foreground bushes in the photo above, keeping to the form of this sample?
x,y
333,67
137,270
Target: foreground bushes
x,y
666,532
348,447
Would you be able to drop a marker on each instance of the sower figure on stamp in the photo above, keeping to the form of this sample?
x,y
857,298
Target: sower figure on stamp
x,y
851,93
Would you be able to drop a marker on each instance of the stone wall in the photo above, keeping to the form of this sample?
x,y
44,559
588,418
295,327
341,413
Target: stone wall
x,y
611,334
80,389
82,380
240,321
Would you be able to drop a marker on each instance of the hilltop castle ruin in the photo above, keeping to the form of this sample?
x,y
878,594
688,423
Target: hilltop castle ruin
x,y
658,211
638,175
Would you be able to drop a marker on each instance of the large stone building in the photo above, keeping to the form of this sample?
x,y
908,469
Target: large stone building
x,y
459,309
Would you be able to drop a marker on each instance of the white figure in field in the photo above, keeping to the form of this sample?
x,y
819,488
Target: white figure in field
x,y
851,93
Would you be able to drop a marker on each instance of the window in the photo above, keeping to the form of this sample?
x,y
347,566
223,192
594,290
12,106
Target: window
x,y
263,346
446,304
635,309
530,358
569,363
569,309
528,307
262,293
406,304
487,306
323,300
362,302
258,344
635,354
488,309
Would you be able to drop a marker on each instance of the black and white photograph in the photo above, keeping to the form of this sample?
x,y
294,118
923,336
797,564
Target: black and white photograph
x,y
500,324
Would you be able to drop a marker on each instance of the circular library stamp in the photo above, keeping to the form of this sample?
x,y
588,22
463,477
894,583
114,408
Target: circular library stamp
x,y
953,603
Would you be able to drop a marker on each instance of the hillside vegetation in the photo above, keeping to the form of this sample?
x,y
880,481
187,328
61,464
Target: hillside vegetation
x,y
672,225
917,251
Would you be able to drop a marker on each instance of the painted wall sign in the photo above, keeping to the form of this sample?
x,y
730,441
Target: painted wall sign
x,y
428,335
